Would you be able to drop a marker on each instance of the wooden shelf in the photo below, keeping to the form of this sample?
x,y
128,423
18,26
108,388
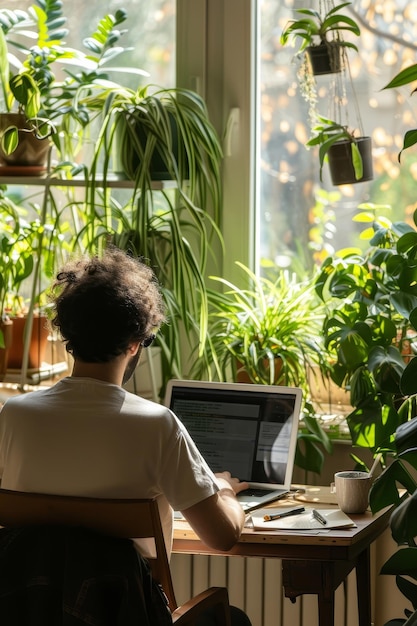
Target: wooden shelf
x,y
113,181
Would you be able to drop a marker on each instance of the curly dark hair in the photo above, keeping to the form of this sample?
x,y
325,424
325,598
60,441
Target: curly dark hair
x,y
101,305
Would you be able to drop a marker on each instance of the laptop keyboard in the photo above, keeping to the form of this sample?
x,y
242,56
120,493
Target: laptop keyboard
x,y
254,492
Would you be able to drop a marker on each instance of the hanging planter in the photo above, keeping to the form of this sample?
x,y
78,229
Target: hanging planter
x,y
341,157
327,58
320,34
349,157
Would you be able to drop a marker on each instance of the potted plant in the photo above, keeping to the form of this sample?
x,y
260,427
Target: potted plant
x,y
172,223
151,133
35,102
370,328
14,269
320,35
349,157
268,332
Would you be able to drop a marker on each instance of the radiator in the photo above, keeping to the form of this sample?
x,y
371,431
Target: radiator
x,y
255,585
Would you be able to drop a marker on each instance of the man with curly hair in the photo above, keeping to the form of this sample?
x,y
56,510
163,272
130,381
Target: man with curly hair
x,y
88,436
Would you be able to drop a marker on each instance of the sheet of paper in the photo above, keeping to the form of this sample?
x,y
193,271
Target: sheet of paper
x,y
303,521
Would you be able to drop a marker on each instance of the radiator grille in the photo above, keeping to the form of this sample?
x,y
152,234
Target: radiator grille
x,y
255,585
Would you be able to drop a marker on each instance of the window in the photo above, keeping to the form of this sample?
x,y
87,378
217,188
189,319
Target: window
x,y
151,31
299,216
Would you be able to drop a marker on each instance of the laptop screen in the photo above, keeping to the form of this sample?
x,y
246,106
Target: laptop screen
x,y
249,430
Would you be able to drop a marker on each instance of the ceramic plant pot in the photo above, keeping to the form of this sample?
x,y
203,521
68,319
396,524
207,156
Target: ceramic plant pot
x,y
340,161
31,151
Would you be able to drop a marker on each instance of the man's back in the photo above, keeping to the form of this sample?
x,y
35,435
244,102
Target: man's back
x,y
88,437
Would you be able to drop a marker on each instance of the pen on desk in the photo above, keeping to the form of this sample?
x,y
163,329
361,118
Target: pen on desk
x,y
297,511
319,517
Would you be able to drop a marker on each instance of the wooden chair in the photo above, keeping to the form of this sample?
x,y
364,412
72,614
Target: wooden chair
x,y
122,518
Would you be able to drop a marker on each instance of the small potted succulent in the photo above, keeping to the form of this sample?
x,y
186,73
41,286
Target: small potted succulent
x,y
320,35
349,157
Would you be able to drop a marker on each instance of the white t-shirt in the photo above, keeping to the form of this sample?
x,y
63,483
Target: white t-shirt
x,y
85,437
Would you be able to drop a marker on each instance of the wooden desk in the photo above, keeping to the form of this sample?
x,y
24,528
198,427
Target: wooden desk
x,y
311,564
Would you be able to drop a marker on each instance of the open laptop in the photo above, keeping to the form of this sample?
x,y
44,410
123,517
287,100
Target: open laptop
x,y
248,430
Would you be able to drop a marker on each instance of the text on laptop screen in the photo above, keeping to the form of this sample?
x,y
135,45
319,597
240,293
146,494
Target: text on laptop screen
x,y
246,433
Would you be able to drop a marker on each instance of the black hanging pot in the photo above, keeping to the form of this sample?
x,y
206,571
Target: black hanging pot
x,y
325,58
341,167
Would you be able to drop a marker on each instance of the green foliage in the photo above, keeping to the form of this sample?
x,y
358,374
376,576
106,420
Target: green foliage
x,y
271,328
316,28
28,73
405,77
269,332
370,328
397,487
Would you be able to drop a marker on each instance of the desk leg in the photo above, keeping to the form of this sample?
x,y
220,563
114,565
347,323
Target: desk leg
x,y
326,608
363,587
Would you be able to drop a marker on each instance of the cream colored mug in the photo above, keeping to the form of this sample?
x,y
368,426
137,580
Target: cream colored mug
x,y
352,490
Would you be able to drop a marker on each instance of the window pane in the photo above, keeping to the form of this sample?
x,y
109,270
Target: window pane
x,y
300,216
151,32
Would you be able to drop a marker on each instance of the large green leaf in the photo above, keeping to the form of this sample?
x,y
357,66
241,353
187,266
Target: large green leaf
x,y
404,522
404,561
372,425
408,381
384,491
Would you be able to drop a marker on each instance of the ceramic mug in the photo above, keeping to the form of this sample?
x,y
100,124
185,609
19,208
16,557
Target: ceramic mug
x,y
352,490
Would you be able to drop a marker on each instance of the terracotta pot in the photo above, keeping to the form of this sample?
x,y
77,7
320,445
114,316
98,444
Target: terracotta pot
x,y
30,151
6,328
325,58
340,161
242,375
38,343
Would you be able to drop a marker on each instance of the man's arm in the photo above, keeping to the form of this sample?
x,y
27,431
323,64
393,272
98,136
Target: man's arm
x,y
218,520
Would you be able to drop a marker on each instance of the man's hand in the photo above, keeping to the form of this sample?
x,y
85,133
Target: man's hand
x,y
234,483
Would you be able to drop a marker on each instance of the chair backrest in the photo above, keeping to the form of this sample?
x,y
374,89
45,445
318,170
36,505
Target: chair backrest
x,y
123,518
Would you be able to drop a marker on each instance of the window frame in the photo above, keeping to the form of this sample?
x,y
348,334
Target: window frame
x,y
216,57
